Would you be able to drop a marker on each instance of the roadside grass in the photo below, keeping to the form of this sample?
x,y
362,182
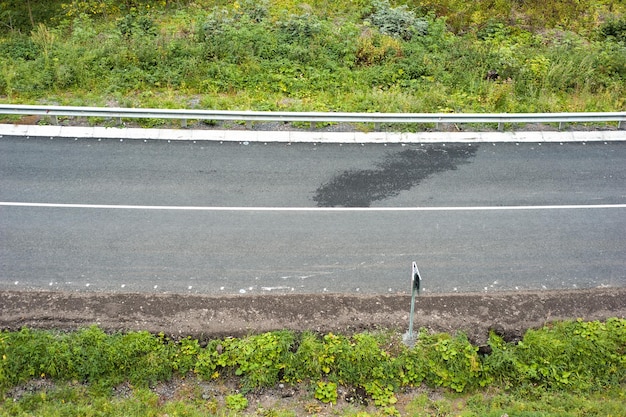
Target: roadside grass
x,y
357,56
69,400
564,368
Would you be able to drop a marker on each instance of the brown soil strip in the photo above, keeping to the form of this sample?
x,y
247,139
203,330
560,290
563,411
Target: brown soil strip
x,y
206,316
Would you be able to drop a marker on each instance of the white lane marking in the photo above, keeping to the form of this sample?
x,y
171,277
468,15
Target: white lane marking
x,y
337,209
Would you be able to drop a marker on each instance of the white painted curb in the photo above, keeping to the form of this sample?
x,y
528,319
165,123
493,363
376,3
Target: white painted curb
x,y
307,137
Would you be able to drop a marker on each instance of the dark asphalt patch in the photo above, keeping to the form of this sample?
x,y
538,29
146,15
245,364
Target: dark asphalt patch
x,y
399,171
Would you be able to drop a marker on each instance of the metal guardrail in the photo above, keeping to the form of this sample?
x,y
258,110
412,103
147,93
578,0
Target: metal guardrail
x,y
313,117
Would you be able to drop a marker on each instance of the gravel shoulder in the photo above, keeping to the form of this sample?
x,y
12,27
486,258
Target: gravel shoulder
x,y
205,316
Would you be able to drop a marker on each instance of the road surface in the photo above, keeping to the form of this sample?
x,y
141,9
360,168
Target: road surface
x,y
232,218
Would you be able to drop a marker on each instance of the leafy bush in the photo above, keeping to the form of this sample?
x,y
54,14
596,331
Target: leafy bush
x,y
613,30
134,24
298,28
452,362
234,41
397,21
184,358
258,360
326,392
255,10
19,48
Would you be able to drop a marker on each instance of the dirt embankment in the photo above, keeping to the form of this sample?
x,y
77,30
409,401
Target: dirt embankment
x,y
204,317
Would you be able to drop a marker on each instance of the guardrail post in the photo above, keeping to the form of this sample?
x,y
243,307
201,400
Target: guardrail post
x,y
561,124
620,125
500,126
183,123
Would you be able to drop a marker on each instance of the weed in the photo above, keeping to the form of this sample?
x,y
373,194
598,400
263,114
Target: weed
x,y
326,392
312,407
236,402
383,395
185,357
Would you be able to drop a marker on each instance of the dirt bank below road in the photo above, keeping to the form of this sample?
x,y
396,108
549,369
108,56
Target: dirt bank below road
x,y
203,317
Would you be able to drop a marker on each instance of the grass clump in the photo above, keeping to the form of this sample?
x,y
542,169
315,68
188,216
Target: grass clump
x,y
88,355
578,356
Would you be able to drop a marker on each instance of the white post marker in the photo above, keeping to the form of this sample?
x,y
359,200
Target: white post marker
x,y
416,281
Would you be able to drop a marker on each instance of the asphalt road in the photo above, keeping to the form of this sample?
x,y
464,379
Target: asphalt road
x,y
259,218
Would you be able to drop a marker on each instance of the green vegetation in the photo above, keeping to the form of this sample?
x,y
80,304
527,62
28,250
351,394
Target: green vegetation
x,y
359,55
565,365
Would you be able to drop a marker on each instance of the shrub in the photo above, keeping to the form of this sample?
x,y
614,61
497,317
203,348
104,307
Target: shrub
x,y
614,29
299,28
19,48
18,16
238,42
255,10
610,62
136,24
375,49
397,21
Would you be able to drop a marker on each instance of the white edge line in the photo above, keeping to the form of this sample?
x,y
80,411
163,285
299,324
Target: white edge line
x,y
310,209
309,137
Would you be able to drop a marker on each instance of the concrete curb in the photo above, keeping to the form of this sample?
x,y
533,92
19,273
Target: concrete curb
x,y
308,137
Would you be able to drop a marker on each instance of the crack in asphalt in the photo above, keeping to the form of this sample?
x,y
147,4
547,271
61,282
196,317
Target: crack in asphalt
x,y
398,172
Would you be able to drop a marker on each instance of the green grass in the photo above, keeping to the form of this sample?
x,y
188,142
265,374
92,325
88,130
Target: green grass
x,y
564,368
70,400
360,56
534,403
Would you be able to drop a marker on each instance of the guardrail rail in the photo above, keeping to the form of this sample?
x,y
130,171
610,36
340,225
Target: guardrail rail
x,y
312,117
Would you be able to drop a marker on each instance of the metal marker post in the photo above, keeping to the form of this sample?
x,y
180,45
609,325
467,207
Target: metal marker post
x,y
415,283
